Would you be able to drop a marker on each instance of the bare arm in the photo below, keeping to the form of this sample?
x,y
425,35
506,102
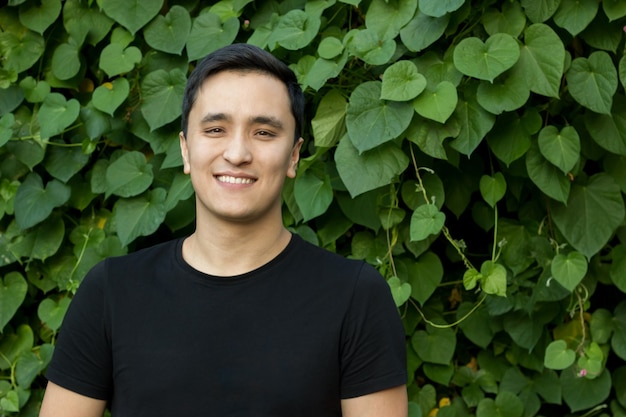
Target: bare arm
x,y
391,402
61,402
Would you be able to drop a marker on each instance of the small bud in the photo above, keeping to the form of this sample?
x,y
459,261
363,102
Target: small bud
x,y
582,373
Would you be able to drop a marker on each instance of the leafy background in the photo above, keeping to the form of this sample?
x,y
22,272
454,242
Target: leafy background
x,y
473,151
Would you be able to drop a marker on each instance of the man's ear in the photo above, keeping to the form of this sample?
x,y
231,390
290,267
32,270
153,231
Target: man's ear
x,y
184,152
295,157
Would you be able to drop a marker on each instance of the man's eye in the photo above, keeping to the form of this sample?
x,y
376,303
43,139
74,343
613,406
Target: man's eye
x,y
213,130
265,133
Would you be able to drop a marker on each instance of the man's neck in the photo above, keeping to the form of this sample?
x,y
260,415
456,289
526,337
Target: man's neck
x,y
235,249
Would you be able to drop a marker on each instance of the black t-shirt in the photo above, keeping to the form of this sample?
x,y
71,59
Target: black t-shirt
x,y
155,337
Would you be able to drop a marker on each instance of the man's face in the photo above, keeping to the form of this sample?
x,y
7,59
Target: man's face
x,y
239,147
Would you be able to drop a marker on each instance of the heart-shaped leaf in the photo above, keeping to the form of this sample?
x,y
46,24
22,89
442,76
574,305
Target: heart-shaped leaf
x,y
437,104
569,269
425,275
506,404
371,121
547,177
209,26
402,82
129,175
575,15
368,45
388,17
438,8
369,170
401,291
35,91
329,122
21,51
30,364
139,216
492,188
85,23
132,14
558,355
474,121
34,203
593,81
295,29
6,128
584,393
162,94
109,96
115,59
56,114
313,194
423,30
66,61
487,60
169,33
434,345
51,312
494,278
38,16
560,148
12,345
12,293
426,220
511,19
471,277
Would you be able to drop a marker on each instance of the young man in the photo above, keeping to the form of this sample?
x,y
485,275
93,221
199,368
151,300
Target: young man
x,y
241,318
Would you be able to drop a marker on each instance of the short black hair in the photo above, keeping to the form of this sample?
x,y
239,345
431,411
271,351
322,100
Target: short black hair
x,y
244,57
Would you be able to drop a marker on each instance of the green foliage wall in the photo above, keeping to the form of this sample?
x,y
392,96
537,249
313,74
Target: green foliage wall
x,y
473,151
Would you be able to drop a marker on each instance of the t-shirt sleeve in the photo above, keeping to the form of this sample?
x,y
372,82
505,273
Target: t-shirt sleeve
x,y
82,355
373,339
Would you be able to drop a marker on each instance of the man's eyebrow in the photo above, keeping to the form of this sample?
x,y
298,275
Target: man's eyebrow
x,y
214,117
268,120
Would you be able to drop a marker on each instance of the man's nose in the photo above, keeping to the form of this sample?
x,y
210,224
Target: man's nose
x,y
237,150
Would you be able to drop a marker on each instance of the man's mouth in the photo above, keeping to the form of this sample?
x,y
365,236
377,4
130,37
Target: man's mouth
x,y
234,180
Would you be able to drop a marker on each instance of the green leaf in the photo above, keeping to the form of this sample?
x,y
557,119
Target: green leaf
x,y
13,344
506,404
599,199
330,47
601,324
426,220
437,104
614,9
593,81
487,60
42,241
139,216
424,275
559,356
509,140
313,194
51,312
38,17
10,402
180,189
471,277
560,148
583,393
30,364
329,122
66,61
132,14
575,15
85,23
210,26
548,178
434,345
618,267
569,270
129,175
12,294
35,91
401,291
29,152
438,8
6,128
507,93
423,30
56,114
369,170
618,341
110,95
540,10
169,33
492,188
295,30
62,162
116,59
388,17
493,278
542,59
476,325
510,19
368,45
609,130
402,82
429,135
34,203
371,121
22,50
162,94
474,122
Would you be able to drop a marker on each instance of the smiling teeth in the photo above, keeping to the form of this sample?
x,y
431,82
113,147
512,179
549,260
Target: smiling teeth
x,y
234,180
